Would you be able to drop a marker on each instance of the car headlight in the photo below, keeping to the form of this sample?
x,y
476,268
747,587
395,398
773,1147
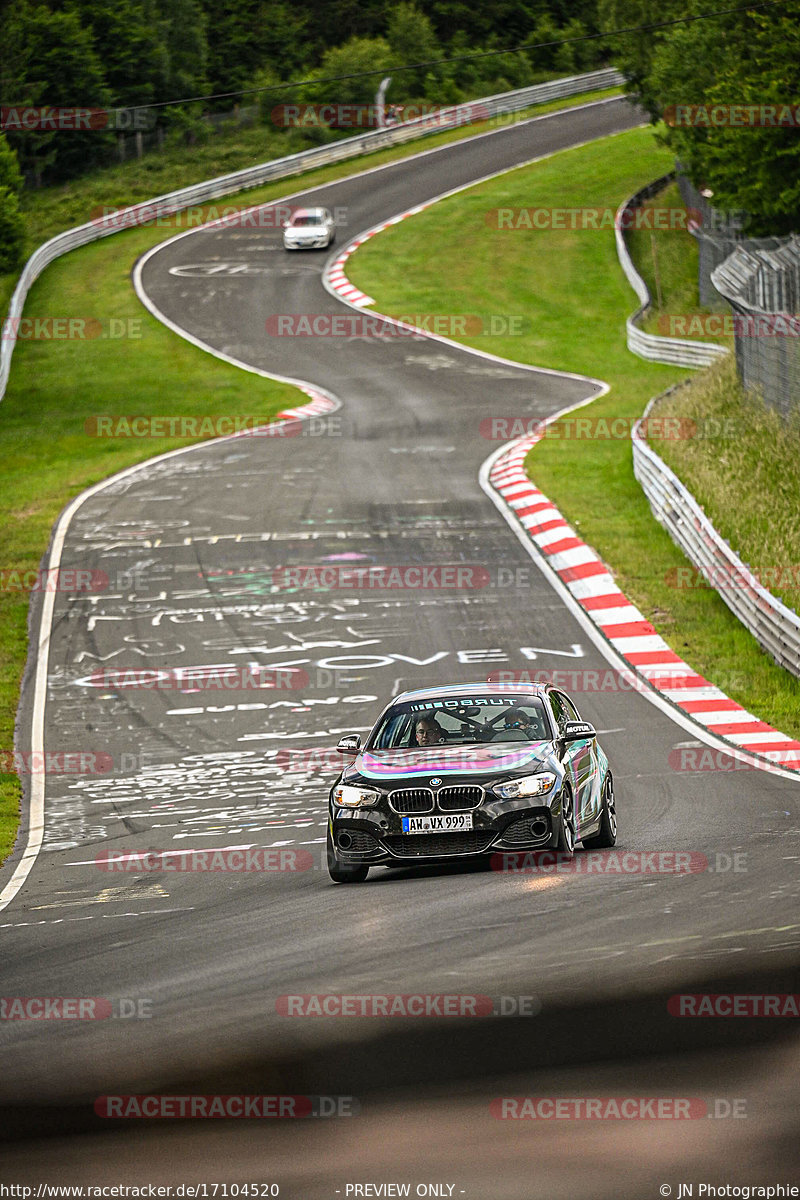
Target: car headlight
x,y
353,797
528,785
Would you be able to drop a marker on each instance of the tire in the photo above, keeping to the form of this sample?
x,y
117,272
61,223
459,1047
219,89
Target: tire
x,y
565,843
606,835
342,872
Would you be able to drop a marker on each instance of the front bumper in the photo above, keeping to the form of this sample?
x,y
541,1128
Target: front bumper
x,y
315,243
376,836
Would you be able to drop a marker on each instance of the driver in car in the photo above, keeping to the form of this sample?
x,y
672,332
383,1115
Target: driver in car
x,y
517,718
428,732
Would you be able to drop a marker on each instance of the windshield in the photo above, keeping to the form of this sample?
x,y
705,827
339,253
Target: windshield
x,y
308,219
461,721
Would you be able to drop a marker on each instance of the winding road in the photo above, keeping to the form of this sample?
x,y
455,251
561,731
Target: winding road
x,y
190,542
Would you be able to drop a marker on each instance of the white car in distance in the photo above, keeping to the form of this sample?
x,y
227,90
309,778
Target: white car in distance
x,y
309,228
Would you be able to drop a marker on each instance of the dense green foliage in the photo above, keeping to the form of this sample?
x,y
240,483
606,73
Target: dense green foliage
x,y
99,54
12,223
161,53
12,231
750,58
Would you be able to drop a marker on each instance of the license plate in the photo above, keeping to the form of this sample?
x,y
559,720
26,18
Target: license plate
x,y
448,823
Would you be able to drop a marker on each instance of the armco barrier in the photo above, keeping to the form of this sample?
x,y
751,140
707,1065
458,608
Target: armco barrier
x,y
280,168
774,626
650,345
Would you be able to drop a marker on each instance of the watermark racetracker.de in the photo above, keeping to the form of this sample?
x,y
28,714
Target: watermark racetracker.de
x,y
615,1108
195,1107
407,325
208,425
617,862
504,428
727,1004
213,677
231,860
430,1004
229,216
735,116
723,575
75,1008
42,763
604,680
373,116
45,118
71,328
70,580
594,219
741,325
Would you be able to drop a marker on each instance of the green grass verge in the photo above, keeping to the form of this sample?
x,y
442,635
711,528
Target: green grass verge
x,y
56,385
51,210
54,388
575,295
667,261
748,481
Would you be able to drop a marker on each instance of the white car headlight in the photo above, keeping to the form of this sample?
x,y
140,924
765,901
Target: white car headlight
x,y
528,785
353,797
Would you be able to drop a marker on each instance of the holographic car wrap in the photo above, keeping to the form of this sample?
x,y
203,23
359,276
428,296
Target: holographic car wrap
x,y
478,783
449,760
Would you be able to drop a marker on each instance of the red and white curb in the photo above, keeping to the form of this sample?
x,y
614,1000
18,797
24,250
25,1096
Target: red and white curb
x,y
318,406
634,639
586,577
335,276
339,282
342,285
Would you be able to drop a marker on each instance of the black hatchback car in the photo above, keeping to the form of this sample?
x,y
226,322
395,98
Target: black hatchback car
x,y
465,770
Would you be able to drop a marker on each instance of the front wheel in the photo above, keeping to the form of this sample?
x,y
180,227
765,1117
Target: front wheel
x,y
343,872
566,832
606,835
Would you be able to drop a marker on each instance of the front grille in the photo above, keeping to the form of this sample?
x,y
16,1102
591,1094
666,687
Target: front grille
x,y
450,798
412,800
417,845
518,833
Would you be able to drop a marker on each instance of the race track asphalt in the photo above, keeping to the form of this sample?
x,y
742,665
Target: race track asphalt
x,y
190,544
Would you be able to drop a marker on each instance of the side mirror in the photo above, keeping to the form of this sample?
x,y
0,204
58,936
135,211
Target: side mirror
x,y
349,744
578,731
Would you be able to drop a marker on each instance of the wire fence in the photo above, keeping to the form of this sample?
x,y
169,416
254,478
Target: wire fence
x,y
717,235
763,289
760,280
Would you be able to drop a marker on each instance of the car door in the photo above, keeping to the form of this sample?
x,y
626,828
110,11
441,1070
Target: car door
x,y
579,760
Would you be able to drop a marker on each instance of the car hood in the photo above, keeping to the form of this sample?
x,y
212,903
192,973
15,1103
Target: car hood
x,y
397,765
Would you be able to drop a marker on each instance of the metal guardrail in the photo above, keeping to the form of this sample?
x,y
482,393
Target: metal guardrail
x,y
291,164
653,346
763,289
774,626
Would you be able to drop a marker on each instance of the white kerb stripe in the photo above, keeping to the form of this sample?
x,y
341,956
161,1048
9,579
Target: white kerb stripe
x,y
635,645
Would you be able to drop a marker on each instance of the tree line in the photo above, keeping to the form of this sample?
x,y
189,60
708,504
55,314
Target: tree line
x,y
99,54
728,89
104,55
